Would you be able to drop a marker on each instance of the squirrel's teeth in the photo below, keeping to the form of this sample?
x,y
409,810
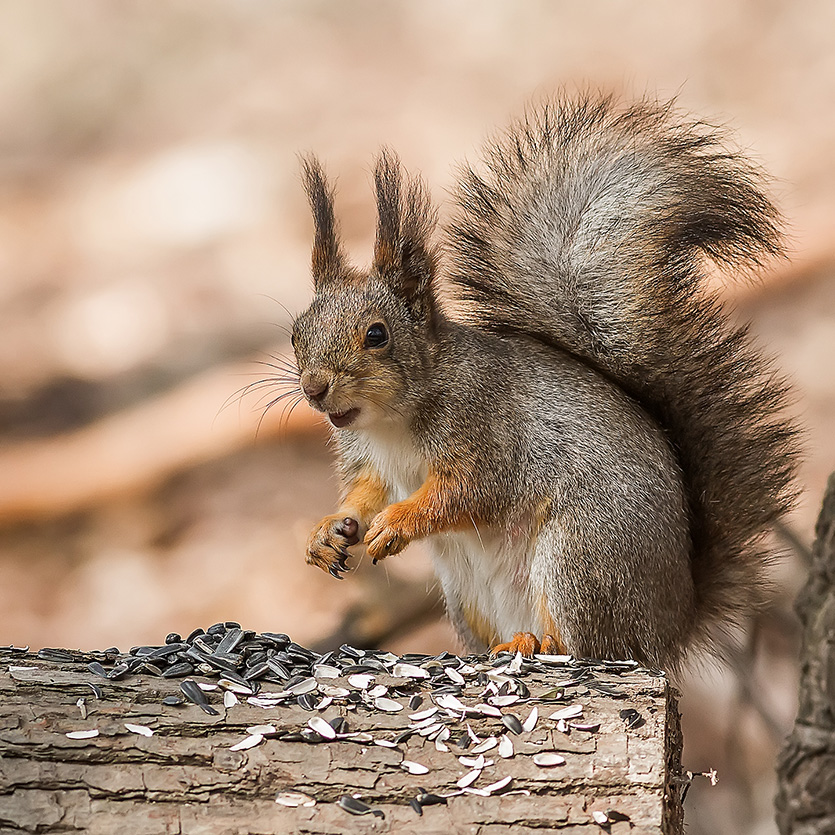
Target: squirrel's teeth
x,y
342,419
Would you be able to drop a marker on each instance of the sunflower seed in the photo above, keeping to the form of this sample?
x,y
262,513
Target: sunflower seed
x,y
385,743
326,671
450,702
415,702
413,767
387,705
591,728
322,727
355,806
82,706
361,681
548,759
530,723
488,710
473,762
429,799
487,745
454,675
423,714
512,723
264,730
172,701
247,742
469,778
497,786
600,817
194,694
142,730
82,734
415,804
505,747
294,799
408,671
569,712
504,701
632,718
303,687
376,691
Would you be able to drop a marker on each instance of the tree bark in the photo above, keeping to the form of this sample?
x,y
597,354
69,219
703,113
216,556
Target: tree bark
x,y
806,766
186,779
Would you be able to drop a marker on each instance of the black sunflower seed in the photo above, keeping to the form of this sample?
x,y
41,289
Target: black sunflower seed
x,y
172,701
173,638
95,667
355,806
632,718
415,804
512,723
429,799
194,694
181,668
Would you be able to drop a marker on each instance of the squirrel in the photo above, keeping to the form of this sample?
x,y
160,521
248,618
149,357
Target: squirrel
x,y
552,396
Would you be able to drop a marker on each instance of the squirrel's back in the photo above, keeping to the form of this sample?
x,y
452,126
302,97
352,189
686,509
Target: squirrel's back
x,y
587,228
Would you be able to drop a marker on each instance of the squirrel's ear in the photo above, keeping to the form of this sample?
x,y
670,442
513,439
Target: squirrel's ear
x,y
403,254
328,260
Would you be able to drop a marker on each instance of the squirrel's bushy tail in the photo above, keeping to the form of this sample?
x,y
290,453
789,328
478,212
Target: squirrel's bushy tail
x,y
587,228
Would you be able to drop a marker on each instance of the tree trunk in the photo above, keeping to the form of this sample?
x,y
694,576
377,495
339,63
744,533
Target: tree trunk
x,y
806,765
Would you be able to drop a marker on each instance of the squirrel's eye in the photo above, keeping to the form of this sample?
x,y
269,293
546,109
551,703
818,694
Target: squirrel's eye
x,y
376,336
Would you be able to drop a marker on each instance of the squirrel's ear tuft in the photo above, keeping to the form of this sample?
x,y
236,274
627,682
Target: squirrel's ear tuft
x,y
328,260
403,253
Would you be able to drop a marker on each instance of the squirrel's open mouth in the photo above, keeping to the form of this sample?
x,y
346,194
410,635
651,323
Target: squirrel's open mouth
x,y
343,419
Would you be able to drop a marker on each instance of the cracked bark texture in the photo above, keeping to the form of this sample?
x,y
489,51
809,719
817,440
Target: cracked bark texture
x,y
184,778
806,765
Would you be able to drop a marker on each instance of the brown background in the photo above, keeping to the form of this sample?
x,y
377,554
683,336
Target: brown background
x,y
154,242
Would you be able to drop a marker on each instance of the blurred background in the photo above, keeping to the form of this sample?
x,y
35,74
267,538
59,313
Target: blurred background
x,y
154,244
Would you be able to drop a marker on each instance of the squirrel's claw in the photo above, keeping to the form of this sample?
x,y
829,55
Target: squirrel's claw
x,y
529,645
327,547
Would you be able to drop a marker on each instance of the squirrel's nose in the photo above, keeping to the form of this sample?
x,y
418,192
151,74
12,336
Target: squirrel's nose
x,y
314,386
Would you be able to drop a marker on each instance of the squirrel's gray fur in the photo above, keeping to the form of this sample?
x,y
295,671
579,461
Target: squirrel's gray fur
x,y
585,388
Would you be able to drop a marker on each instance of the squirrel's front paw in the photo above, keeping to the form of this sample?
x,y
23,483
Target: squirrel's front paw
x,y
384,538
329,541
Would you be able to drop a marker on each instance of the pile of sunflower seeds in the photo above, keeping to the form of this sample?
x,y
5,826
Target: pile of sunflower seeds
x,y
442,696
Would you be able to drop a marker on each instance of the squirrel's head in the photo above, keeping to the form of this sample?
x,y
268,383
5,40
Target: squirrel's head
x,y
362,346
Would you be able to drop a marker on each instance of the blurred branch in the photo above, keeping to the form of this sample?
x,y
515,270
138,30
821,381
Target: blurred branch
x,y
139,448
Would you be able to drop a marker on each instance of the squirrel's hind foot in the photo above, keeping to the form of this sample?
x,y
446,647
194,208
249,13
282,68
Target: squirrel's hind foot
x,y
529,645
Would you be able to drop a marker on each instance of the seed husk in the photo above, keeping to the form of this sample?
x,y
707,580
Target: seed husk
x,y
387,705
548,759
632,718
569,712
413,767
355,806
294,799
247,742
322,727
89,734
141,730
530,723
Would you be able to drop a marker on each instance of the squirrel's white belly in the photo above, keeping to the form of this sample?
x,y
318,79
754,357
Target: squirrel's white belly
x,y
484,573
485,576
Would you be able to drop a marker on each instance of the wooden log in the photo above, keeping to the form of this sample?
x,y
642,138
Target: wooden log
x,y
187,777
806,765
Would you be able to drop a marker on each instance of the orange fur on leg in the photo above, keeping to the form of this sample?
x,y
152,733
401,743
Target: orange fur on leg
x,y
434,507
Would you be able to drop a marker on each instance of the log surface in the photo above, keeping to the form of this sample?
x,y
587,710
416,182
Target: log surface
x,y
185,779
